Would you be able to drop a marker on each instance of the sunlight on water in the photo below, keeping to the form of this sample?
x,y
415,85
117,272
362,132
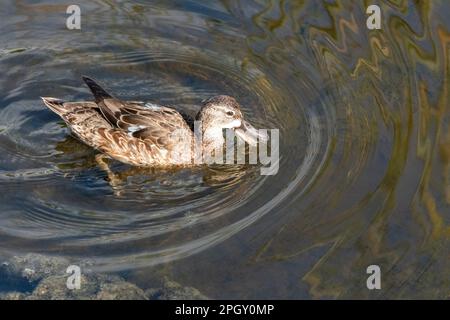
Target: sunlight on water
x,y
364,144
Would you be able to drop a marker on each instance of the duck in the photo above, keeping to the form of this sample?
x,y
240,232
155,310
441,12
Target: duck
x,y
146,134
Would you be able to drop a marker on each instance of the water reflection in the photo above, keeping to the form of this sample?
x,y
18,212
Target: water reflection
x,y
364,130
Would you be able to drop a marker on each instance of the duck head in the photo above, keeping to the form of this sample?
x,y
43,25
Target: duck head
x,y
224,112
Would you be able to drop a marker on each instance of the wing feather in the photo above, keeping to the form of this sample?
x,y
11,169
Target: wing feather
x,y
139,129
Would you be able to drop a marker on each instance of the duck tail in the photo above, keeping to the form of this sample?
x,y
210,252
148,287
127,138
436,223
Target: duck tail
x,y
98,92
54,104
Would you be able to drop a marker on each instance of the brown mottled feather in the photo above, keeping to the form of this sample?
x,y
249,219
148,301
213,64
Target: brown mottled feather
x,y
144,134
154,141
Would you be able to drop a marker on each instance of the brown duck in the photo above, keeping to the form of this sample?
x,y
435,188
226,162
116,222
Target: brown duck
x,y
147,134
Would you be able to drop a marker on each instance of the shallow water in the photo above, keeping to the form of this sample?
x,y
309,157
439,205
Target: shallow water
x,y
364,145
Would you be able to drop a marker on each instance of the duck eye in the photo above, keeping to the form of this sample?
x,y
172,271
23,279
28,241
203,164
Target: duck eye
x,y
230,113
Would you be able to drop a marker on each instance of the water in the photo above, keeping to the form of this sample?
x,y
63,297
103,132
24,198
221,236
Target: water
x,y
364,145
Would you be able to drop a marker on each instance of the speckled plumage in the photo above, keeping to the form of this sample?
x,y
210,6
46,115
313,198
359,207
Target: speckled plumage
x,y
143,134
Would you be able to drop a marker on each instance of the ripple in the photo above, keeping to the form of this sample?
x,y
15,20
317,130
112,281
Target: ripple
x,y
82,207
360,113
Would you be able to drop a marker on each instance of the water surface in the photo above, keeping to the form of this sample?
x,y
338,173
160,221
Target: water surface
x,y
364,145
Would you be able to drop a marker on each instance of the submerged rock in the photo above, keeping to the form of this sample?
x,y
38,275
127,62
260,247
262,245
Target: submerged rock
x,y
171,290
12,295
39,277
33,267
93,287
121,290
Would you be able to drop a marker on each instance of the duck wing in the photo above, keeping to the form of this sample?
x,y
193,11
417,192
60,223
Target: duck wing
x,y
144,122
133,116
143,136
160,128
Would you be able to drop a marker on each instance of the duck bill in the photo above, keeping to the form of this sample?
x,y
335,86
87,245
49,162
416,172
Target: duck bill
x,y
250,134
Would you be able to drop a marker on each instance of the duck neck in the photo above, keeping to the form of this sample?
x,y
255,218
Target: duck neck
x,y
211,134
212,137
212,140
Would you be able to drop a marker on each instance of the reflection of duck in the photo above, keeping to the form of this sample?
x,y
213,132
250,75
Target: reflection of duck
x,y
127,180
136,179
145,134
